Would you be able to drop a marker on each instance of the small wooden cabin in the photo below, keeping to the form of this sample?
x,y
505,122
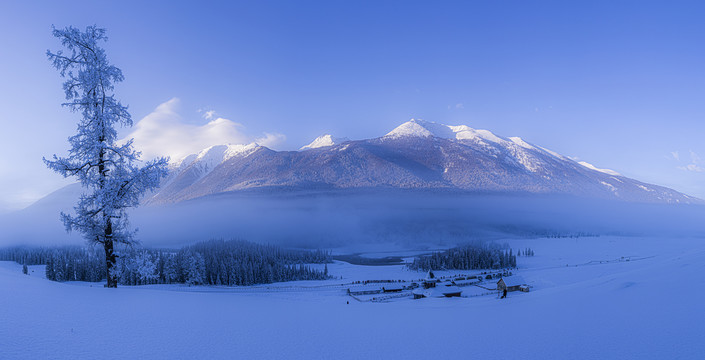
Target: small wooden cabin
x,y
450,290
418,293
392,288
511,283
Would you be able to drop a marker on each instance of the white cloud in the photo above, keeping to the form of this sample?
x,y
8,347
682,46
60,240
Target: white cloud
x,y
676,155
694,163
270,140
692,167
209,115
694,157
163,133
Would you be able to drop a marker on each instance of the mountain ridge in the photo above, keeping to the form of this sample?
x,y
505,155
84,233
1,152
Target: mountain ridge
x,y
415,155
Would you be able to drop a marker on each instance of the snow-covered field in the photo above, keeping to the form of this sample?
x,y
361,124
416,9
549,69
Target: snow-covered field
x,y
592,298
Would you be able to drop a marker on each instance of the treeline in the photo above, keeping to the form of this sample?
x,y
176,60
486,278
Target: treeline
x,y
215,262
244,263
525,252
571,235
33,255
76,264
66,263
467,257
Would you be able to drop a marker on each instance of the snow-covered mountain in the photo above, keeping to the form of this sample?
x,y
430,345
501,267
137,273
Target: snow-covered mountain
x,y
419,183
324,141
415,155
192,168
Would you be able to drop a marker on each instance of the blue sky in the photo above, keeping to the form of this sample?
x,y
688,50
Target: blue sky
x,y
619,84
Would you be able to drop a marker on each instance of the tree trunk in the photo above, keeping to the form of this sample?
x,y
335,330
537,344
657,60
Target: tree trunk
x,y
108,242
110,258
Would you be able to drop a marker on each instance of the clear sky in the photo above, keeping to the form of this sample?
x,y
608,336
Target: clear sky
x,y
620,84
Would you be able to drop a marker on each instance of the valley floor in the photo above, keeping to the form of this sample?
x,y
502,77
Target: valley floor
x,y
591,298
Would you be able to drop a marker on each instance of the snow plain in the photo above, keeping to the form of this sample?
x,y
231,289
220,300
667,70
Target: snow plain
x,y
592,298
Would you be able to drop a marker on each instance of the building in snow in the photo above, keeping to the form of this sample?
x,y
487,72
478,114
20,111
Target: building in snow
x,y
512,283
430,280
364,290
418,293
392,288
450,290
443,290
467,282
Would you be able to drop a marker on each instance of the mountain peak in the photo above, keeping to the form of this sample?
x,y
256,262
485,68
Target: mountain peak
x,y
413,127
422,128
216,154
323,141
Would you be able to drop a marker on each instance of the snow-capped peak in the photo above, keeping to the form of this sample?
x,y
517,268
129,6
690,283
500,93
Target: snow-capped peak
x,y
212,156
421,128
592,167
323,141
413,127
208,159
517,147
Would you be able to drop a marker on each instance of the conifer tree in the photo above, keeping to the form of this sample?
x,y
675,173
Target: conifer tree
x,y
107,170
49,270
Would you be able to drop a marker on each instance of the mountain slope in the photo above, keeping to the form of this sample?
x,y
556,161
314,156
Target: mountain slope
x,y
415,155
323,141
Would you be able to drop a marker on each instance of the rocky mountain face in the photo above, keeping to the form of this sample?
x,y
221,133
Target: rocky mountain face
x,y
415,155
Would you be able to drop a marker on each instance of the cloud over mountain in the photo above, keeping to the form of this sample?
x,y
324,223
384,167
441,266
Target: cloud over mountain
x,y
164,132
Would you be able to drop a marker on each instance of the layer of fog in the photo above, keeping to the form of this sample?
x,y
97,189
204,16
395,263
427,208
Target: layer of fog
x,y
330,219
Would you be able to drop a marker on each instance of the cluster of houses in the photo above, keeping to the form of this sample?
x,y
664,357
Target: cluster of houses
x,y
432,286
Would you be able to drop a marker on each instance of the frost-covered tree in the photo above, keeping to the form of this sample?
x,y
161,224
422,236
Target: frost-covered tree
x,y
49,269
146,268
109,171
196,269
171,272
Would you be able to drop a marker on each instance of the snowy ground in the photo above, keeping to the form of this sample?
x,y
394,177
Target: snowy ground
x,y
587,302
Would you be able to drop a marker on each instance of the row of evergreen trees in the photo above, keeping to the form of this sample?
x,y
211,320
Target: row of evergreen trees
x,y
215,262
525,252
32,255
467,257
76,264
246,263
